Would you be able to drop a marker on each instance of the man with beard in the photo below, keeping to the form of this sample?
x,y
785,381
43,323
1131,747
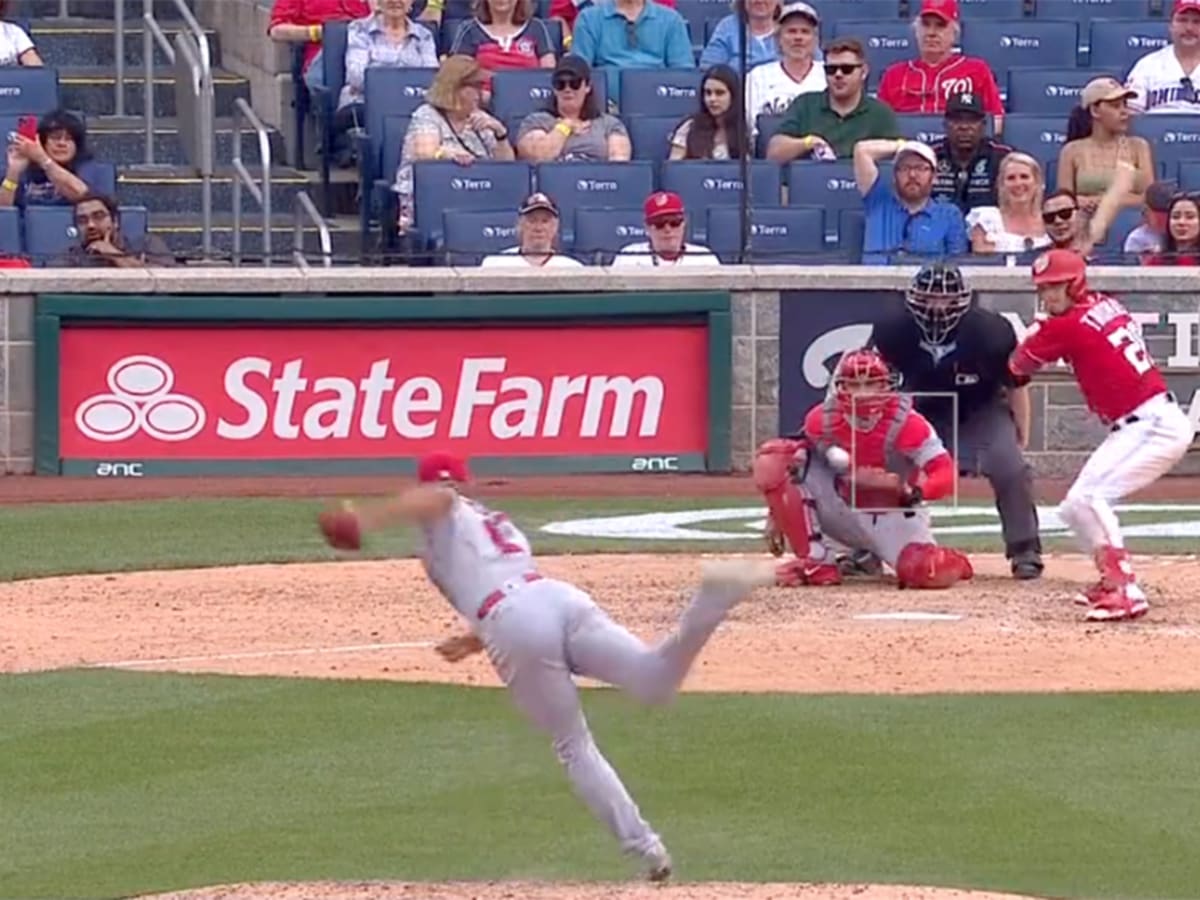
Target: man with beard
x,y
968,160
902,218
102,243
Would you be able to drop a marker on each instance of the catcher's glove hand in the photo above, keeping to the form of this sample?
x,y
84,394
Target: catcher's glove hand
x,y
774,538
875,488
341,527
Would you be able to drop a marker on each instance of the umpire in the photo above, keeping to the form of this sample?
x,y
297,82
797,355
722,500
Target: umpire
x,y
939,341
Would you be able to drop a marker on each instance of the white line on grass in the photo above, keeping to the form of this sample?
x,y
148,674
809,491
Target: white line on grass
x,y
259,654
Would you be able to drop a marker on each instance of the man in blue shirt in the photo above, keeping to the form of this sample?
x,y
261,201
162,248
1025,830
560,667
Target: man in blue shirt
x,y
631,34
903,222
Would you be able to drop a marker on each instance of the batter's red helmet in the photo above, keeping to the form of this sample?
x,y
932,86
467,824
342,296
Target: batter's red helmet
x,y
1061,267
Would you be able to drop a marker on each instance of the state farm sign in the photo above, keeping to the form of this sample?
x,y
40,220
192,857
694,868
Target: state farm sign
x,y
236,393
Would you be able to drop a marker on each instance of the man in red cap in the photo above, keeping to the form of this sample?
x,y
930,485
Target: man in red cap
x,y
924,84
1164,79
540,632
666,226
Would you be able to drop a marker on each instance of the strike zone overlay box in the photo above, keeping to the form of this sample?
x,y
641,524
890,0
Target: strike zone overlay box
x,y
523,384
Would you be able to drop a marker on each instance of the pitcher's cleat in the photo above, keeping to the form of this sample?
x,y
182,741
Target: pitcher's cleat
x,y
659,861
743,575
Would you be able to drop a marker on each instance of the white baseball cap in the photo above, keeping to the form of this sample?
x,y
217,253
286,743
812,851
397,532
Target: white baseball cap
x,y
799,8
922,150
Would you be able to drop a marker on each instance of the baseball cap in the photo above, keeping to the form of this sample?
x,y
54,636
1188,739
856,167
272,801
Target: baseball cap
x,y
798,8
573,65
967,104
1160,194
946,10
922,150
1058,265
1185,6
442,467
538,200
661,204
1099,90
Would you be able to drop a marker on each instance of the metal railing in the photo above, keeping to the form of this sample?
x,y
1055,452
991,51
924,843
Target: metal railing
x,y
242,178
306,209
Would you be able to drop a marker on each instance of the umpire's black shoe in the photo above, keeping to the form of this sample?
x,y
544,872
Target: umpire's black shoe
x,y
1027,567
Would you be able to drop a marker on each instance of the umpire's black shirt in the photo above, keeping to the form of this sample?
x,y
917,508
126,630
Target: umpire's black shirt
x,y
971,185
972,363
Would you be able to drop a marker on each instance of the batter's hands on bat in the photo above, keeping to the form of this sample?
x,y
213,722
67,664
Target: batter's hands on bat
x,y
457,648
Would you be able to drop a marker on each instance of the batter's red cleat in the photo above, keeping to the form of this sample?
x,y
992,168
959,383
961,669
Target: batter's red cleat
x,y
807,572
1118,605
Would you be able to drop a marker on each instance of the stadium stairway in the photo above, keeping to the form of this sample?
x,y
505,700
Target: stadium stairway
x,y
81,48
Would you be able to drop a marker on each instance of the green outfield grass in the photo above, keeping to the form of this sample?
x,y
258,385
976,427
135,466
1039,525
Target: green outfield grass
x,y
118,783
47,539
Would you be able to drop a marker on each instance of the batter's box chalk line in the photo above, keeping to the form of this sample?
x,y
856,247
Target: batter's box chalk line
x,y
260,654
909,617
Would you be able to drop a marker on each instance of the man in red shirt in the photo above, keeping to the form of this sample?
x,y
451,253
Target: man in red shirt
x,y
924,84
1122,385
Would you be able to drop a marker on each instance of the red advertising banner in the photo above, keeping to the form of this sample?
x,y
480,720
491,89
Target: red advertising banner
x,y
329,392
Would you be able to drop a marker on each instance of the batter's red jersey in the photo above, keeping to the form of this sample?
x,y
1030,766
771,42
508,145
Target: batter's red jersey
x,y
1104,346
913,86
915,439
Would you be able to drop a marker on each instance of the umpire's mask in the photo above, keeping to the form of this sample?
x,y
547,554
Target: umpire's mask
x,y
938,297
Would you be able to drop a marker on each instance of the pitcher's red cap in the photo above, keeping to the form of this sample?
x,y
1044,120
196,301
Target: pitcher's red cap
x,y
442,467
943,9
1185,6
661,204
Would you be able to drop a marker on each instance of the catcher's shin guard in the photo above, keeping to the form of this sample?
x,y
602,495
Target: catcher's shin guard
x,y
791,509
930,566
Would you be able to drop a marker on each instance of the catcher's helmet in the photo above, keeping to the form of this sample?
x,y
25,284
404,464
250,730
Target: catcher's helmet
x,y
863,385
938,297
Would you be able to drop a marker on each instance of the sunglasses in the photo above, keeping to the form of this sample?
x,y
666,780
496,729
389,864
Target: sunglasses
x,y
567,82
842,68
673,222
1058,215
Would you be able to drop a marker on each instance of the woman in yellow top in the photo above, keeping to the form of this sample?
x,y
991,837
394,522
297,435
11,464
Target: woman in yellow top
x,y
1097,139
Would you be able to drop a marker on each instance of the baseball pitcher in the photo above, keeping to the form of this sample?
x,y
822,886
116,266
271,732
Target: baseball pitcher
x,y
858,473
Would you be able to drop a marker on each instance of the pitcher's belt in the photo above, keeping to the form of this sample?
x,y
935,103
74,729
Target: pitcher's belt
x,y
496,596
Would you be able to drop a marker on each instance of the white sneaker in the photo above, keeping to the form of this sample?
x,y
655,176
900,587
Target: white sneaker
x,y
659,865
742,574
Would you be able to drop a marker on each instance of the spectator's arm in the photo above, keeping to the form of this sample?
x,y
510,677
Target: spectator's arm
x,y
30,58
783,148
429,57
1143,161
1138,82
504,151
679,45
719,49
538,144
866,161
156,253
544,47
980,242
991,95
358,57
889,85
1110,203
426,142
1066,167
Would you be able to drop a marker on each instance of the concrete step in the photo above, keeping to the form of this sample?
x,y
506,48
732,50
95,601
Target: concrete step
x,y
164,10
94,89
125,139
89,42
176,189
182,233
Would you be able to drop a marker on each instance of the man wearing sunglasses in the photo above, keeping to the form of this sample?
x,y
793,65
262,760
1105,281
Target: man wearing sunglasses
x,y
1166,79
666,226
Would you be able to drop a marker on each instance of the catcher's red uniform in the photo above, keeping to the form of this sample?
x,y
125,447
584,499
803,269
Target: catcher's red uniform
x,y
914,86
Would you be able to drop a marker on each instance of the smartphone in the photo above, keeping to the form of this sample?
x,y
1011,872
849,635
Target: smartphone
x,y
27,127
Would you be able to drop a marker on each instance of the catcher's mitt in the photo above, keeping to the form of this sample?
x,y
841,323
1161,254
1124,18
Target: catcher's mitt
x,y
341,528
873,488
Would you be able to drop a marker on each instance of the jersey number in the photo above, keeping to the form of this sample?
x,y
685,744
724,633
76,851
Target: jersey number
x,y
500,531
1130,343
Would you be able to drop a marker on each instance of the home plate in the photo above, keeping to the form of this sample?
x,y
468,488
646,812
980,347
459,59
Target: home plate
x,y
909,617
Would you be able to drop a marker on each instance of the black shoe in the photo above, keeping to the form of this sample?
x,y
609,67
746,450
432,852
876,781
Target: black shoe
x,y
860,563
1027,567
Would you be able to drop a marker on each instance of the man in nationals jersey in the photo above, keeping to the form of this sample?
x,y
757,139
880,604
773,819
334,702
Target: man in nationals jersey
x,y
1166,79
858,473
924,84
1122,385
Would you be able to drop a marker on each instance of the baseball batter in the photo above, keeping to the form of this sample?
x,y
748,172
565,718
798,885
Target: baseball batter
x,y
539,632
1123,386
858,473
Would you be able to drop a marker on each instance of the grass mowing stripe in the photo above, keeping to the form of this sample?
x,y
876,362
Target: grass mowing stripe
x,y
188,780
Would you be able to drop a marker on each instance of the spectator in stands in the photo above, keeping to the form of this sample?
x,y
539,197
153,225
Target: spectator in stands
x,y
1148,237
1015,224
924,84
666,226
16,46
771,88
102,243
387,38
632,34
1097,138
449,125
1163,81
537,239
718,129
573,128
505,35
567,11
968,160
1070,229
828,125
303,21
54,170
724,48
902,218
1181,245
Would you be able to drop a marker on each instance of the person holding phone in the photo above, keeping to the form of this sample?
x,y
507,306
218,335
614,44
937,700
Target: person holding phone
x,y
16,46
49,163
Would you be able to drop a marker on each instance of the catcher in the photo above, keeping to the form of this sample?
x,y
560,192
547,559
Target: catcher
x,y
858,473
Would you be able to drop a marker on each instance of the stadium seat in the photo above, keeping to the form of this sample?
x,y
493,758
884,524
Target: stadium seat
x,y
974,10
378,159
705,184
28,91
829,185
600,233
1042,137
325,97
1086,12
651,135
1049,92
767,126
10,231
851,223
697,13
439,186
1188,175
446,33
660,92
301,106
470,236
1118,45
926,129
518,92
885,42
393,92
861,10
786,234
623,185
1022,43
48,231
1173,138
1113,245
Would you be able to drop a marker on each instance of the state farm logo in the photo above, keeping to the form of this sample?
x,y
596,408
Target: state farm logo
x,y
140,399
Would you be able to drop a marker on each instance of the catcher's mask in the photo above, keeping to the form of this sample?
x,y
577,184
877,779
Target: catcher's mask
x,y
938,298
863,386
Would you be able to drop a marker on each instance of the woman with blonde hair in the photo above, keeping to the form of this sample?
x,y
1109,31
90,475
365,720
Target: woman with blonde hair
x,y
505,35
1015,224
451,125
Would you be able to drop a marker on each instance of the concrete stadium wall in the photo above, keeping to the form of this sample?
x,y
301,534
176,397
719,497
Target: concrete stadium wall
x,y
1063,431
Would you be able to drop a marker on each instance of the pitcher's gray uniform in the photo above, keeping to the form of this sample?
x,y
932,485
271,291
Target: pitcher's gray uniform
x,y
539,632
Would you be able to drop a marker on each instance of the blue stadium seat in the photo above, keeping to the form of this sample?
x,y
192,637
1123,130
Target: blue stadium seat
x,y
974,10
885,42
1085,12
600,233
28,91
325,98
705,184
377,164
862,10
1113,244
651,135
1118,45
470,236
1189,175
1022,43
699,12
446,33
1049,92
1042,137
1173,138
926,129
440,186
519,92
10,231
851,224
394,92
829,185
767,126
622,185
659,92
47,230
785,234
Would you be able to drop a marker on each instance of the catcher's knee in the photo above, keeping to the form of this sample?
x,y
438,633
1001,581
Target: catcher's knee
x,y
931,566
775,461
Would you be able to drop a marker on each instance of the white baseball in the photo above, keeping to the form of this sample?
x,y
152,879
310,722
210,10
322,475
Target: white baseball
x,y
838,459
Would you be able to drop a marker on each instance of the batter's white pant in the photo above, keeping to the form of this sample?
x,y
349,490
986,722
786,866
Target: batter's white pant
x,y
545,632
1134,455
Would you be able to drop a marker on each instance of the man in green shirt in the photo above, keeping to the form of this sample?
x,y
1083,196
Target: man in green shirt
x,y
828,124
